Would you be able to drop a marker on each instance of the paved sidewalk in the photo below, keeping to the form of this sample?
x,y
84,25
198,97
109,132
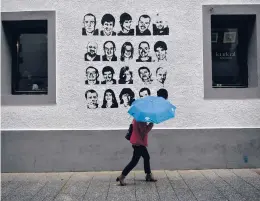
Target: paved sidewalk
x,y
186,185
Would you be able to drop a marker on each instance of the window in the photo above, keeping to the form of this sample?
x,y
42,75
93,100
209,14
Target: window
x,y
230,36
28,54
231,45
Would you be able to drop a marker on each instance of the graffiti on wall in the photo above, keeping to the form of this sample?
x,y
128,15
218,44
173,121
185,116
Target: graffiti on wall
x,y
137,65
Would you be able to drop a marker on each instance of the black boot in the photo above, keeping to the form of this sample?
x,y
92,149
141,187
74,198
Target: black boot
x,y
149,177
121,180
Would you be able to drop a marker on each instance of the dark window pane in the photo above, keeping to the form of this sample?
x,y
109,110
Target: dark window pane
x,y
230,35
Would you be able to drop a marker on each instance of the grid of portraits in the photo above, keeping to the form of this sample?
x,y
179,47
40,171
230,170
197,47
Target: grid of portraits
x,y
121,69
125,25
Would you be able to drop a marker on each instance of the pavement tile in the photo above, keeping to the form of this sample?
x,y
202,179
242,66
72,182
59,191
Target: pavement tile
x,y
227,190
145,191
239,184
249,176
176,180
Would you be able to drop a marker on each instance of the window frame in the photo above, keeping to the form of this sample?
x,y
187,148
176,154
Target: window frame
x,y
7,98
253,90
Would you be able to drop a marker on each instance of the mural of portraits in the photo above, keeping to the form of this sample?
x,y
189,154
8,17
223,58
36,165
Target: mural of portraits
x,y
91,54
161,74
142,28
89,25
108,24
160,49
109,100
127,51
112,85
92,75
125,76
125,23
144,51
144,92
127,97
108,75
109,51
162,93
92,99
160,27
145,75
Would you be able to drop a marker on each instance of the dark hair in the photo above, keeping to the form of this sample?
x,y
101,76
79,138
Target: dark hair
x,y
144,42
160,44
162,93
144,16
108,18
143,67
96,70
108,68
145,89
90,14
90,91
124,17
109,41
114,101
123,50
127,91
122,72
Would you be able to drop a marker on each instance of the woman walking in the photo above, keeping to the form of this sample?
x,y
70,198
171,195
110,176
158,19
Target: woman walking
x,y
139,141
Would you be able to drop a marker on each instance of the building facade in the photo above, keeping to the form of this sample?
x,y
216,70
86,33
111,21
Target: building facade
x,y
71,69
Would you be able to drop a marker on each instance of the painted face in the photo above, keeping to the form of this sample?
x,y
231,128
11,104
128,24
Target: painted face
x,y
128,75
144,50
144,93
128,51
91,74
126,98
89,24
109,49
160,53
108,28
161,75
108,97
144,74
108,76
143,24
92,49
92,100
159,23
127,25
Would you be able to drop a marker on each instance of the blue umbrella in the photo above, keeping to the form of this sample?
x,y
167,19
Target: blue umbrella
x,y
152,109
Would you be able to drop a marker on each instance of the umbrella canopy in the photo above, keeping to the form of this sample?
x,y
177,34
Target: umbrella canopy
x,y
152,109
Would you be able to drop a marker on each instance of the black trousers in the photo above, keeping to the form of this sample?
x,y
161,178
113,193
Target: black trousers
x,y
138,152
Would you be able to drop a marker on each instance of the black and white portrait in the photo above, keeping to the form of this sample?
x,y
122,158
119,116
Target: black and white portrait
x,y
125,76
92,99
142,28
144,50
127,97
160,49
108,75
161,74
108,24
160,27
127,51
162,93
144,92
125,23
89,25
109,100
109,51
91,54
145,75
92,76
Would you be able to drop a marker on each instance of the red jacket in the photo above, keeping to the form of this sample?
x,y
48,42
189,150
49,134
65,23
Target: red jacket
x,y
140,133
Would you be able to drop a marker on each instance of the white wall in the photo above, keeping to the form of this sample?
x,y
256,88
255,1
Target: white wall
x,y
185,74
